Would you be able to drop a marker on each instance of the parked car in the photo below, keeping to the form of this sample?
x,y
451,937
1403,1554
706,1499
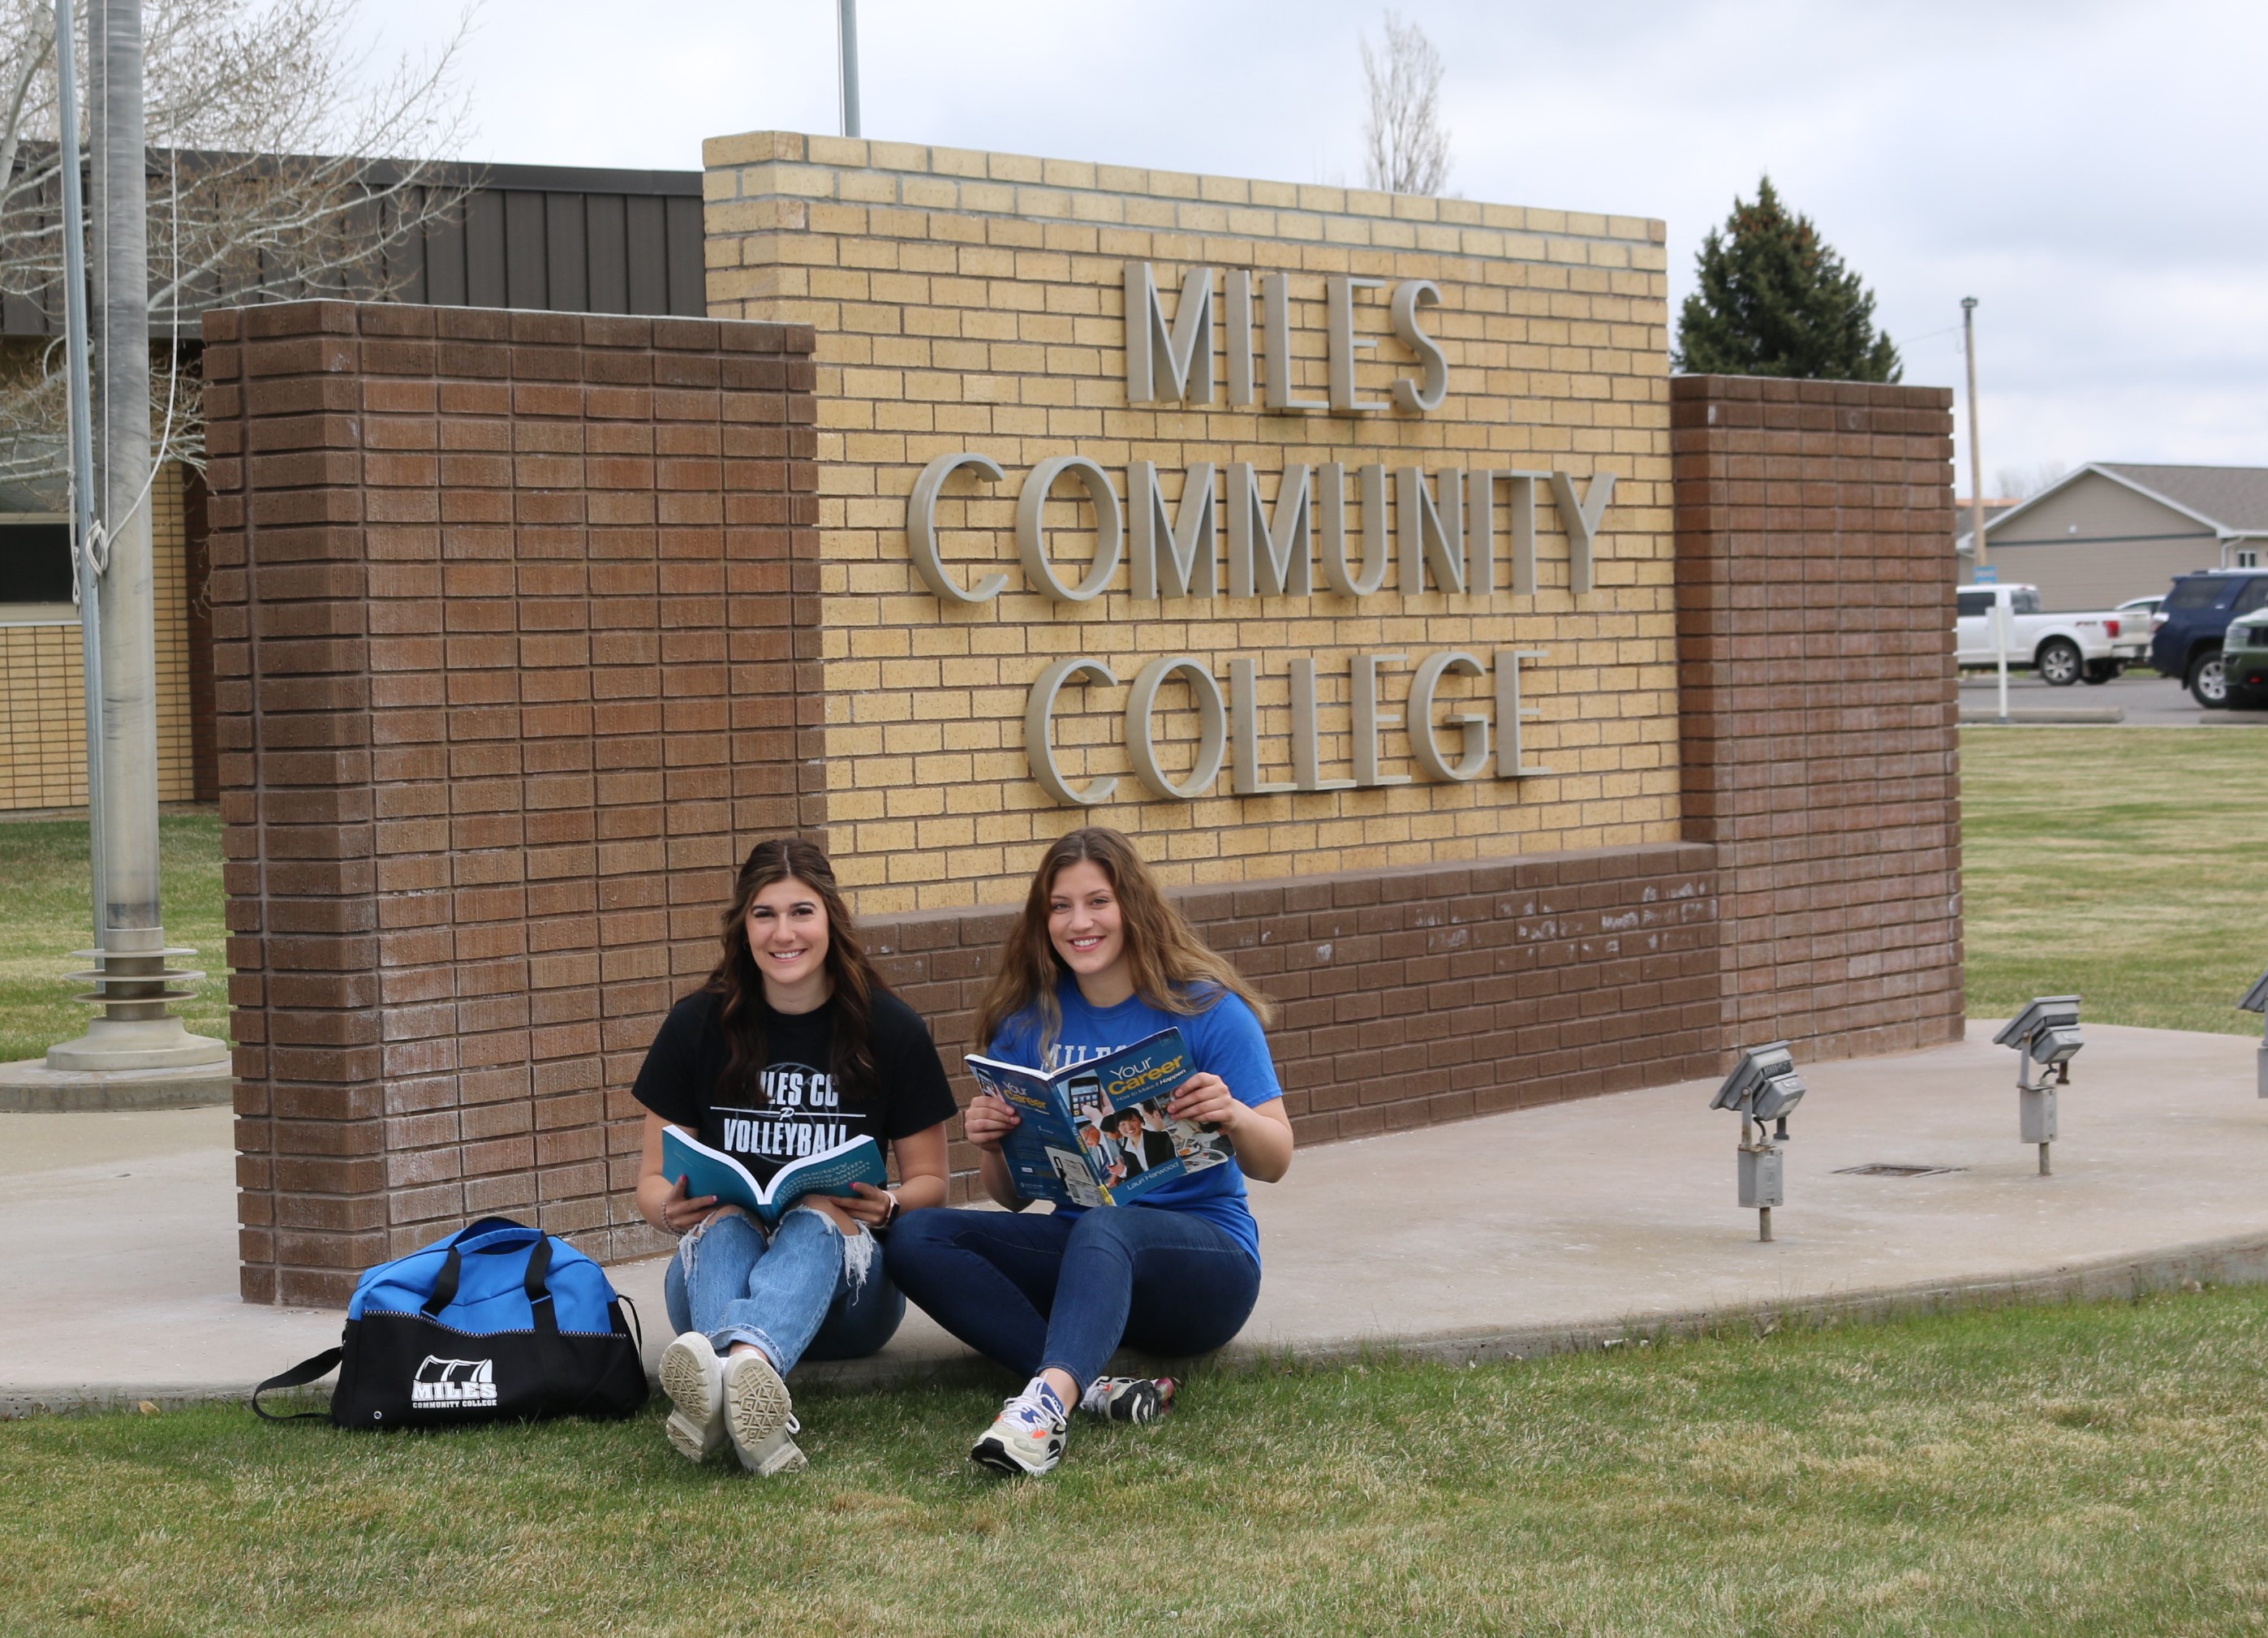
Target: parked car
x,y
2244,660
2063,648
2138,624
2197,612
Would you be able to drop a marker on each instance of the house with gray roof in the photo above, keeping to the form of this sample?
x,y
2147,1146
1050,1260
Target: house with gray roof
x,y
2115,530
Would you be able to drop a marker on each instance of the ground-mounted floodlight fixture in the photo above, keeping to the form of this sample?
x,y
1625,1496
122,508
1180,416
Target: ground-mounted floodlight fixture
x,y
2256,1000
2045,1035
1763,1087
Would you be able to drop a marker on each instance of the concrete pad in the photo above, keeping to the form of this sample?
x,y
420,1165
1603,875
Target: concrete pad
x,y
27,1086
1568,1225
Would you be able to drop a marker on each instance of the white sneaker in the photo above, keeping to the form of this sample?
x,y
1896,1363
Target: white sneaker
x,y
693,1379
1027,1436
759,1415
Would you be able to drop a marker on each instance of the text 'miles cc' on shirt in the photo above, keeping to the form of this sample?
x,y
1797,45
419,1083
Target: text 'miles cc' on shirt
x,y
1224,1039
800,1112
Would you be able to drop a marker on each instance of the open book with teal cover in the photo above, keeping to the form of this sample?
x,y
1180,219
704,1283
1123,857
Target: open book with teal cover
x,y
1097,1132
713,1172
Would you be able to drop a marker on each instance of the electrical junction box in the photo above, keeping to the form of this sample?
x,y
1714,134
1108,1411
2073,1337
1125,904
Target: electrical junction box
x,y
1760,1175
2036,1114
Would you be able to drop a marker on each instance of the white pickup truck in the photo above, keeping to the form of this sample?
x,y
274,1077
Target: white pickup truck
x,y
2063,648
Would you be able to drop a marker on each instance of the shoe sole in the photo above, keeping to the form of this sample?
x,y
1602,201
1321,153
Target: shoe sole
x,y
757,1406
696,1429
993,1452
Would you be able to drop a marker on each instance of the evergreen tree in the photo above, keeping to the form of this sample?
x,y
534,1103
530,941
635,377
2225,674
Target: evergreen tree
x,y
1776,300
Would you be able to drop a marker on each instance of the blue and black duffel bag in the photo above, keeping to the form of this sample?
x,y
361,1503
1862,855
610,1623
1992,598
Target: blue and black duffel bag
x,y
497,1323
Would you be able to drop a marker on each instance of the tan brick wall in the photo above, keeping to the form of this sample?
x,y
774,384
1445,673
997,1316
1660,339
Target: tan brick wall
x,y
45,738
975,301
42,713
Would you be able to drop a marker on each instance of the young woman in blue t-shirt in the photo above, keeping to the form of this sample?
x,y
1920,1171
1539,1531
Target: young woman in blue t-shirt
x,y
1097,961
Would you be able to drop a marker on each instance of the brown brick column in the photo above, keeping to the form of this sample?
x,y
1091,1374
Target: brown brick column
x,y
516,637
1815,599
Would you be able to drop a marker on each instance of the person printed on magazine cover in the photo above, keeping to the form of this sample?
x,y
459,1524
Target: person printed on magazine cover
x,y
1103,1151
792,1046
1126,1126
1157,1133
1097,961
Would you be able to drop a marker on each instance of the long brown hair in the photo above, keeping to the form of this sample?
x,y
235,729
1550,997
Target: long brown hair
x,y
850,974
1173,969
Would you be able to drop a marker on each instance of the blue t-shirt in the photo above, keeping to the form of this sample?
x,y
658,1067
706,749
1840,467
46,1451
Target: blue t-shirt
x,y
1224,1040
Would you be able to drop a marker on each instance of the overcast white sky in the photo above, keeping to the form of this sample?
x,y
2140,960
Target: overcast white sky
x,y
2091,172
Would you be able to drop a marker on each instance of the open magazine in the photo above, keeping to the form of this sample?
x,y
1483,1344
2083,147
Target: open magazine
x,y
1097,1132
713,1172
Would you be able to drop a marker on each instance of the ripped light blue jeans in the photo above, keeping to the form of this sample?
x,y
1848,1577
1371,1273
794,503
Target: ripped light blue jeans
x,y
809,1291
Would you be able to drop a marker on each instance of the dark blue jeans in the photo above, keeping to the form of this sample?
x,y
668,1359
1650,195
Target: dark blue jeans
x,y
1038,1292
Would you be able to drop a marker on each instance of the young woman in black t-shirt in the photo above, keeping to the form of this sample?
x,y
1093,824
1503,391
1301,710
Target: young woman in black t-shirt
x,y
792,1046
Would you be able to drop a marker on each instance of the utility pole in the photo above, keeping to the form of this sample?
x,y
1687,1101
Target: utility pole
x,y
137,1030
1976,506
1976,454
846,46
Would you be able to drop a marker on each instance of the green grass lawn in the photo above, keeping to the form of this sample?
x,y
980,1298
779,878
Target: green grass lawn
x,y
45,864
2123,865
2073,1470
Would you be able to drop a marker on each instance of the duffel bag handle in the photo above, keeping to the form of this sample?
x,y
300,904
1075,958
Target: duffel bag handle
x,y
538,1268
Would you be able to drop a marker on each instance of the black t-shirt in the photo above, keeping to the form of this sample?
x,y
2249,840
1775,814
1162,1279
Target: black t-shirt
x,y
800,1113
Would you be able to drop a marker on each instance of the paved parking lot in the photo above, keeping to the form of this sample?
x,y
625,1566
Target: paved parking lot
x,y
2149,700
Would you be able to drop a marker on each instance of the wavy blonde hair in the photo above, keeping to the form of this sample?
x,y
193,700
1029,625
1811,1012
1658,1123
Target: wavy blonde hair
x,y
1173,969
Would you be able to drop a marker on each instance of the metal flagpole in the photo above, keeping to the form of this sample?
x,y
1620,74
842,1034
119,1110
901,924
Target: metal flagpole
x,y
86,554
846,42
136,1030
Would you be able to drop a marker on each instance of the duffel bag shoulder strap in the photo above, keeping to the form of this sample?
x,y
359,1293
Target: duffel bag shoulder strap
x,y
298,1376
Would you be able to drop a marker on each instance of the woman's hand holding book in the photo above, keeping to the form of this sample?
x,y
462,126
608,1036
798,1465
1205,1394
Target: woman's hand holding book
x,y
988,1119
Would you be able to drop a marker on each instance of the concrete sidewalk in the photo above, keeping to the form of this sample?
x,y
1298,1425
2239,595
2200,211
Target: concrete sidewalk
x,y
1555,1228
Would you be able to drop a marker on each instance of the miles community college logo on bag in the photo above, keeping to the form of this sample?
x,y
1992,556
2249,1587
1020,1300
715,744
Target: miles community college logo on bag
x,y
498,1323
462,1384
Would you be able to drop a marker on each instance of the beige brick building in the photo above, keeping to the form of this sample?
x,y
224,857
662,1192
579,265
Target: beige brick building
x,y
43,709
978,302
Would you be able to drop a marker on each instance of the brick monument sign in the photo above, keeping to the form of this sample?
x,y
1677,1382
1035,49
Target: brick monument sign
x,y
1527,723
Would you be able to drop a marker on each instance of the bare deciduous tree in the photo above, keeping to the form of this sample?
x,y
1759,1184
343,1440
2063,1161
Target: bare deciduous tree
x,y
1405,145
2023,482
272,172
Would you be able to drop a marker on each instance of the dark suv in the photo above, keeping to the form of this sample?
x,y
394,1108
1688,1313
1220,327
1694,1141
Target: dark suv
x,y
2197,613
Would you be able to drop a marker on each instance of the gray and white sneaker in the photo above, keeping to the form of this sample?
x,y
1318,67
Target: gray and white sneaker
x,y
693,1379
1027,1436
759,1415
1129,1398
